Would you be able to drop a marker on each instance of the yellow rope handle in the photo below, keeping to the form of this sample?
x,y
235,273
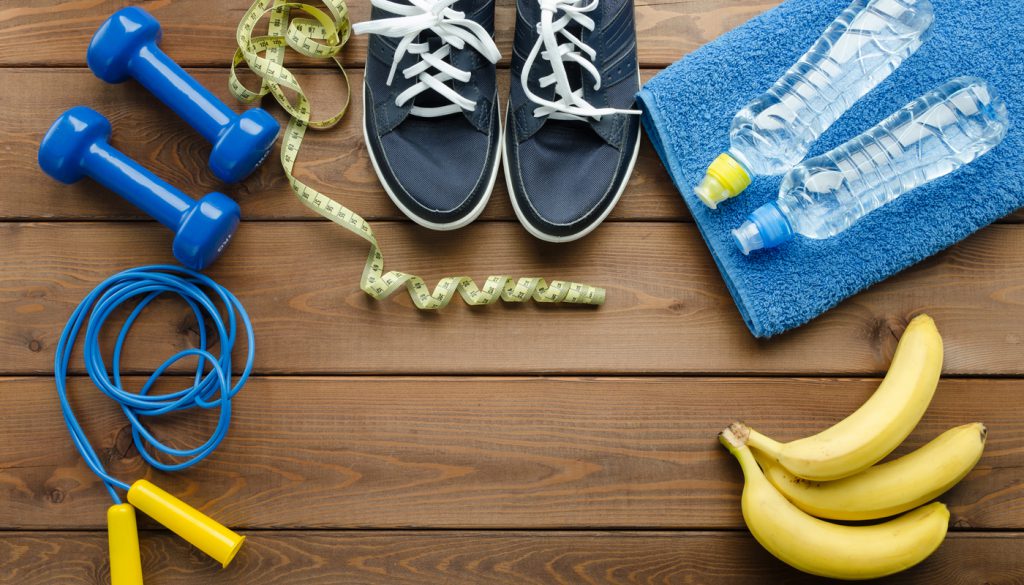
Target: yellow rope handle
x,y
322,36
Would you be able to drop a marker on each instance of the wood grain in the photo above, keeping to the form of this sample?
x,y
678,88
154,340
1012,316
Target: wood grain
x,y
371,452
57,32
379,478
667,310
481,558
336,160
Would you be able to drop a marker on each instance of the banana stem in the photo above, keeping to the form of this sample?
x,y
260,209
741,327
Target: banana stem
x,y
734,438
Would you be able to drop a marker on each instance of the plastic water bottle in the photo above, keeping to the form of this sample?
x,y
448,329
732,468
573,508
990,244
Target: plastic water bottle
x,y
928,138
869,40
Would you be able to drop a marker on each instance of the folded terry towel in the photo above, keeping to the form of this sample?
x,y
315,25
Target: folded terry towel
x,y
689,106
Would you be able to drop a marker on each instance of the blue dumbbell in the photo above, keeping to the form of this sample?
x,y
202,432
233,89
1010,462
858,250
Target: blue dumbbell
x,y
126,46
76,147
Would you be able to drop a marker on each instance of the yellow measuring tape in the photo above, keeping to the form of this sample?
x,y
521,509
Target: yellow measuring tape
x,y
322,36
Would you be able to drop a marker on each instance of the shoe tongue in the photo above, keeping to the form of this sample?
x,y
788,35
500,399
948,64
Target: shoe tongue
x,y
573,71
430,98
575,74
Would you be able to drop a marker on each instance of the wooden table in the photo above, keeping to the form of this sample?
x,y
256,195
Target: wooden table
x,y
505,444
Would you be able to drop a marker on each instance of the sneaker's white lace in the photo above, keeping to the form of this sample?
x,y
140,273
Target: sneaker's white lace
x,y
569,103
432,71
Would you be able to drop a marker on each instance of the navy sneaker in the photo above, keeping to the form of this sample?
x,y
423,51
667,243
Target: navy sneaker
x,y
430,107
571,137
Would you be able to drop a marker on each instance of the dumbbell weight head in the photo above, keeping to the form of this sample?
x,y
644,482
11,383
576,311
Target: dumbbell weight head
x,y
119,39
76,147
243,144
205,230
68,139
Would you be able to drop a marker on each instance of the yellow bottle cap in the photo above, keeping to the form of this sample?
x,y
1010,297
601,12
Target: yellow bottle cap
x,y
725,178
203,532
123,538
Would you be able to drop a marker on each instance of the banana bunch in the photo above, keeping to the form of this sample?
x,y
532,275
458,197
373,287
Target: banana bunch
x,y
790,488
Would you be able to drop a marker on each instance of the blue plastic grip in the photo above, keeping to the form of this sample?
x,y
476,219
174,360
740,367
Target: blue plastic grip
x,y
76,147
126,46
194,103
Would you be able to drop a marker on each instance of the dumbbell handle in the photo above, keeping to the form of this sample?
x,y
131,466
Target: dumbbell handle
x,y
119,173
165,79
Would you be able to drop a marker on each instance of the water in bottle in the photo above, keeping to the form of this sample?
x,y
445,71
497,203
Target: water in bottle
x,y
869,40
928,138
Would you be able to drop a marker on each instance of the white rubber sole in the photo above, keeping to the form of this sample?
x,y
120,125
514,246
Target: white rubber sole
x,y
442,227
562,239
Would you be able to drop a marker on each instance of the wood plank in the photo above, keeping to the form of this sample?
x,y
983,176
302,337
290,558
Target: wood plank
x,y
335,160
667,310
370,558
57,32
371,452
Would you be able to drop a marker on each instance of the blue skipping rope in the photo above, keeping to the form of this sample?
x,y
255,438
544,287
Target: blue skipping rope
x,y
210,389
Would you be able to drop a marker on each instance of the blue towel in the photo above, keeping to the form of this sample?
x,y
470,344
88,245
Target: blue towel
x,y
689,106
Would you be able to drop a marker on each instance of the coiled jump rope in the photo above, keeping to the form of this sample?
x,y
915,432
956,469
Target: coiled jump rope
x,y
211,388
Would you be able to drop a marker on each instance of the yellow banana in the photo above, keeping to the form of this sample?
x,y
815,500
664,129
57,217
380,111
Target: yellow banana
x,y
833,550
880,424
890,488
